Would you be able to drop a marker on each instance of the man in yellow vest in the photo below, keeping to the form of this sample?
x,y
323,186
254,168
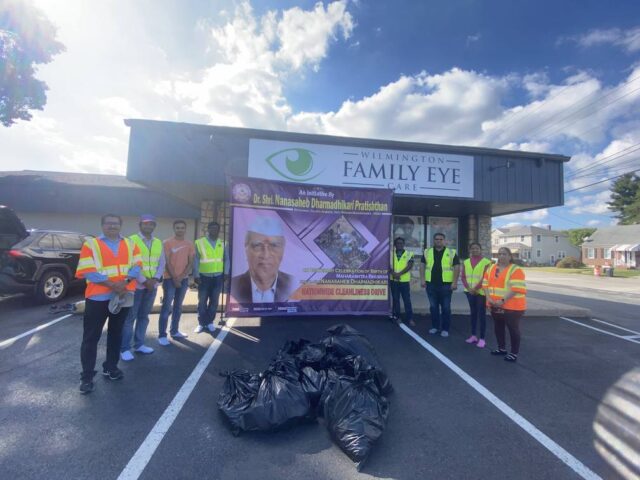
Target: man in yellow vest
x,y
400,280
210,267
153,263
440,269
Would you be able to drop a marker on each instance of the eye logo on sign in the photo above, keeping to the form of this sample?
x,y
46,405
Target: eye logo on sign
x,y
294,164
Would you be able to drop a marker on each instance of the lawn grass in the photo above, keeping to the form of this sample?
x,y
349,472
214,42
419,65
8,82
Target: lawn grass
x,y
618,272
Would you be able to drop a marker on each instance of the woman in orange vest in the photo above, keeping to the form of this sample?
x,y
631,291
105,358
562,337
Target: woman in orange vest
x,y
505,290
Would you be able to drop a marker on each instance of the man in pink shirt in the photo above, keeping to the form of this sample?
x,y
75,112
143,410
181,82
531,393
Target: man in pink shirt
x,y
179,254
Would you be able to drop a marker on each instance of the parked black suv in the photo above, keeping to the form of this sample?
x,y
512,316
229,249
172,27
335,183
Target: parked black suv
x,y
41,262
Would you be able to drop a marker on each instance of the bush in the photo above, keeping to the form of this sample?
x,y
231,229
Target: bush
x,y
569,262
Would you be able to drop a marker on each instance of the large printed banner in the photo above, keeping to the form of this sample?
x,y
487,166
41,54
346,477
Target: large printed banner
x,y
307,249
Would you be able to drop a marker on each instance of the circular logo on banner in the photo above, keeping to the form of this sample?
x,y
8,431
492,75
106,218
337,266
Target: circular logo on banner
x,y
241,192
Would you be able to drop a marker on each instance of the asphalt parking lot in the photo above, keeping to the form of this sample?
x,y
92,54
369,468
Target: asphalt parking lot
x,y
440,426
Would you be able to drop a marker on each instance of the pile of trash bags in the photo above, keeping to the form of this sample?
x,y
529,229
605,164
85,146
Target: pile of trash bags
x,y
339,379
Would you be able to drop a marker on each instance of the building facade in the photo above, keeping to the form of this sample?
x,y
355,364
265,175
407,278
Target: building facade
x,y
534,245
617,246
446,188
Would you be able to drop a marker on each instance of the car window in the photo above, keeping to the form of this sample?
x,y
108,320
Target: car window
x,y
70,242
46,241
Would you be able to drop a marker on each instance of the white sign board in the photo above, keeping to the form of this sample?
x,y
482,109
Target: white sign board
x,y
405,172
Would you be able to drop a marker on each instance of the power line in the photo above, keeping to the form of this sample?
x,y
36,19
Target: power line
x,y
621,168
567,220
600,162
578,102
586,106
602,181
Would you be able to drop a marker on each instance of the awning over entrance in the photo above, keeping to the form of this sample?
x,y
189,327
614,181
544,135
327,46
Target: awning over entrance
x,y
626,248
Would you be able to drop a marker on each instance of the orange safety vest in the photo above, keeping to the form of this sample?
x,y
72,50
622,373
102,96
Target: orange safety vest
x,y
510,279
96,256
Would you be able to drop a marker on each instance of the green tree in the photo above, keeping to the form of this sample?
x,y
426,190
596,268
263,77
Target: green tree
x,y
577,235
625,199
27,39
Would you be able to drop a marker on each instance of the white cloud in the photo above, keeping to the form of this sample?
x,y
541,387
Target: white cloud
x,y
416,108
593,223
245,88
523,218
629,39
594,204
473,38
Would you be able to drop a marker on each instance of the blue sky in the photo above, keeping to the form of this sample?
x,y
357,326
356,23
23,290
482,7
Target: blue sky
x,y
560,77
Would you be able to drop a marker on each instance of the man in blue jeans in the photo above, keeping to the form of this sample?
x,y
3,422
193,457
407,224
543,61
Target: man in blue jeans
x,y
210,268
440,269
180,254
153,262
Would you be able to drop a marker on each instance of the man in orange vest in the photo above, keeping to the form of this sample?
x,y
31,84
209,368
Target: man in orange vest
x,y
110,264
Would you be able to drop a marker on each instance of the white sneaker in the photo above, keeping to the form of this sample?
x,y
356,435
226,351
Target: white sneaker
x,y
127,356
164,341
444,334
211,327
433,331
179,335
144,350
199,329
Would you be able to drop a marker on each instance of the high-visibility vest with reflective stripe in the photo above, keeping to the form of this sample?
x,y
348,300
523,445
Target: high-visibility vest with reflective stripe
x,y
447,264
96,256
211,259
400,264
150,258
510,279
475,275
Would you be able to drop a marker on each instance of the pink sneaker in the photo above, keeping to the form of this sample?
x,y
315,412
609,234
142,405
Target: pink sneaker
x,y
472,339
481,343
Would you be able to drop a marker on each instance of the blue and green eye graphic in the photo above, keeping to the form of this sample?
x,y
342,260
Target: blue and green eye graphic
x,y
293,164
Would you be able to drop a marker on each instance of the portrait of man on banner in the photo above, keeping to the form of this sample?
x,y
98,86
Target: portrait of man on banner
x,y
263,282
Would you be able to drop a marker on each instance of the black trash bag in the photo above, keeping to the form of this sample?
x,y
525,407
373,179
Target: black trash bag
x,y
292,347
332,378
356,414
280,401
313,383
238,391
314,355
344,340
305,353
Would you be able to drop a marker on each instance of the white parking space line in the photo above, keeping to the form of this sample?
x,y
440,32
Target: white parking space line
x,y
143,455
621,337
632,336
11,341
523,423
616,326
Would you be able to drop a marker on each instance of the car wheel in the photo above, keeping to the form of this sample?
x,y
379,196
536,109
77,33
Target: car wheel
x,y
53,286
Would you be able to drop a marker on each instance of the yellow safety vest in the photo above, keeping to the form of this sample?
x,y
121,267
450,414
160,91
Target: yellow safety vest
x,y
447,264
211,259
400,264
150,258
474,275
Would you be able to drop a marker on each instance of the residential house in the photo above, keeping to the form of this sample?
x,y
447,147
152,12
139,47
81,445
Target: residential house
x,y
617,246
534,245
